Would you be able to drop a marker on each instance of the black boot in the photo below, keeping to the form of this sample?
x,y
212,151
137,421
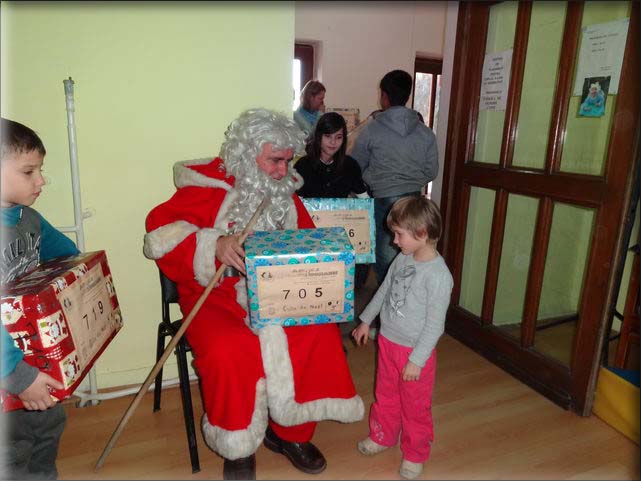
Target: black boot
x,y
304,456
242,468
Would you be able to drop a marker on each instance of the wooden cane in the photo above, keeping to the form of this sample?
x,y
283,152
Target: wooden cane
x,y
172,344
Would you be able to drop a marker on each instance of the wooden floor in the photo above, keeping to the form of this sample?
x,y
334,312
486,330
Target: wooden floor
x,y
488,425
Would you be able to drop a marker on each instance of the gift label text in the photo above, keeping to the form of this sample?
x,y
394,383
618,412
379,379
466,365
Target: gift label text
x,y
300,289
355,223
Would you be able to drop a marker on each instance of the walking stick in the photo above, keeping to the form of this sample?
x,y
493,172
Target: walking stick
x,y
172,344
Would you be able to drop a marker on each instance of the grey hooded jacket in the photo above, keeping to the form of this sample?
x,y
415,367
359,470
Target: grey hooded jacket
x,y
397,152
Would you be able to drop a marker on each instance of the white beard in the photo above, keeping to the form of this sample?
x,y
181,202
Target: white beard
x,y
251,190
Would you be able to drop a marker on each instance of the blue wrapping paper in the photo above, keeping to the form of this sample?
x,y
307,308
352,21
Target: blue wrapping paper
x,y
348,213
298,277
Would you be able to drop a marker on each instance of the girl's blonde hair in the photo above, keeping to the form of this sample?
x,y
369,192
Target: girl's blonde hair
x,y
418,215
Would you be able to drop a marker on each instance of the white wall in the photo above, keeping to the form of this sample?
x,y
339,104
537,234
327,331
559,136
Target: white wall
x,y
451,22
359,42
156,82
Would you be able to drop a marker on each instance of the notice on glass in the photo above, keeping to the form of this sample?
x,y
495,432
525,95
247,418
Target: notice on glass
x,y
355,223
495,80
87,307
301,289
601,54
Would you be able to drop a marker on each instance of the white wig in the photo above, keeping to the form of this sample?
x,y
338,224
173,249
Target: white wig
x,y
244,140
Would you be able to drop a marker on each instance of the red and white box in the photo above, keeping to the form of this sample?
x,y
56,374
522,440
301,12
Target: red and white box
x,y
62,315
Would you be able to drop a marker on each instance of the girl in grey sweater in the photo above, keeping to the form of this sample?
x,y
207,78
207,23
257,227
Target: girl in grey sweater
x,y
412,302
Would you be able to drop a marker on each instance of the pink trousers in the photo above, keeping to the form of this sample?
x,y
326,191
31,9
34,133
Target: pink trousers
x,y
402,407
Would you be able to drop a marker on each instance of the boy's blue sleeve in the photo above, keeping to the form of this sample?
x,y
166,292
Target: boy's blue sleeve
x,y
11,355
16,374
54,243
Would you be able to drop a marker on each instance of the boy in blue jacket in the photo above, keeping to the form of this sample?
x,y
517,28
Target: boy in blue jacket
x,y
33,433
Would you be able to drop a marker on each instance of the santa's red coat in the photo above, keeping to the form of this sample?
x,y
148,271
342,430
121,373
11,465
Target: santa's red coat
x,y
295,375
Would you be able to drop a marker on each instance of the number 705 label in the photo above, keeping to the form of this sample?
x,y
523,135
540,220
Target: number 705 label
x,y
300,289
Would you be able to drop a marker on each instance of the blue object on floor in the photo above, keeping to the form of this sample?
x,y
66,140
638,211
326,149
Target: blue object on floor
x,y
627,374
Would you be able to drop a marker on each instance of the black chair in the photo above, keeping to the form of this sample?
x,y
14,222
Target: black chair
x,y
169,295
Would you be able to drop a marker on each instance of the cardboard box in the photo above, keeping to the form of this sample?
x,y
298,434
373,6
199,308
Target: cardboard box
x,y
299,277
62,315
351,115
355,215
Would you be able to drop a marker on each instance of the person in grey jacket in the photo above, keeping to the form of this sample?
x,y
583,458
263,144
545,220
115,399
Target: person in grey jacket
x,y
397,154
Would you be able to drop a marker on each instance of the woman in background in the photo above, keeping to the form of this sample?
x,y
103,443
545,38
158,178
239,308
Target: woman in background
x,y
312,106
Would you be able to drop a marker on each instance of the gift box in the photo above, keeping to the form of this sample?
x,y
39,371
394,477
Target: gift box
x,y
62,315
355,215
298,277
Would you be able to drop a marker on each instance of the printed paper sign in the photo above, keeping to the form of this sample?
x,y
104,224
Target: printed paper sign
x,y
355,223
87,307
601,53
301,289
495,80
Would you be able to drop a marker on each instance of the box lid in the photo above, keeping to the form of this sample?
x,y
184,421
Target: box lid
x,y
298,243
32,283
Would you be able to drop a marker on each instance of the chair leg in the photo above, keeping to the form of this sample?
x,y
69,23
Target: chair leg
x,y
160,349
185,391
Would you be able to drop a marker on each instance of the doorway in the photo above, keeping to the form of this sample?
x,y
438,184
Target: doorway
x,y
535,187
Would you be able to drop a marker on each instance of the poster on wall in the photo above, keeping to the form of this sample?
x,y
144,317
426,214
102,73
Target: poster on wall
x,y
495,80
601,54
593,96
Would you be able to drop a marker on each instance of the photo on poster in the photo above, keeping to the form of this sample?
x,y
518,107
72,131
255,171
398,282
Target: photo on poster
x,y
593,96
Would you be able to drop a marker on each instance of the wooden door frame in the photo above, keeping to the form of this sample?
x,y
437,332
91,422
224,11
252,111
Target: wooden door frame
x,y
305,52
569,386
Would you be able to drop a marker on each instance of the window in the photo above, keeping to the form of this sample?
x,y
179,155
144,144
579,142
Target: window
x,y
427,89
303,69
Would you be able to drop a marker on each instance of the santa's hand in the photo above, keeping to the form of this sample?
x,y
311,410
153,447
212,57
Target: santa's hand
x,y
36,396
230,252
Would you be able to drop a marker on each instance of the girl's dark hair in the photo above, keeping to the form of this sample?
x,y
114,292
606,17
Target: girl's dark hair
x,y
18,138
328,123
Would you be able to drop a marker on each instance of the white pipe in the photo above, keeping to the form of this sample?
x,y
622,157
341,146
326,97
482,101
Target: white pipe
x,y
75,188
73,156
127,391
73,229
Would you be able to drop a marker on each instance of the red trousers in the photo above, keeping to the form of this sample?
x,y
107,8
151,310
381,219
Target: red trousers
x,y
402,407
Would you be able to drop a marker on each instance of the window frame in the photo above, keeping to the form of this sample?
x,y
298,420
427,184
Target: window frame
x,y
434,67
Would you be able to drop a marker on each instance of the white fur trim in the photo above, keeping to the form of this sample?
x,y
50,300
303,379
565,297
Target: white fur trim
x,y
241,299
205,255
242,442
164,239
283,407
184,176
222,218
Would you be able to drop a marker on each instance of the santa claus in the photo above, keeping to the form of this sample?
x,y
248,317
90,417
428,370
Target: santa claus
x,y
269,386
